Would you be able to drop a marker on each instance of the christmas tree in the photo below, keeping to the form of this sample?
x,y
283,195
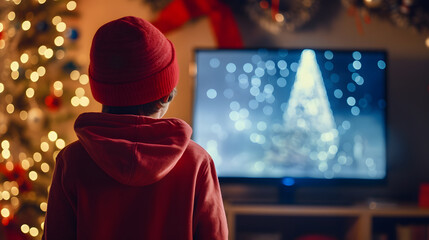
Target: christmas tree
x,y
40,86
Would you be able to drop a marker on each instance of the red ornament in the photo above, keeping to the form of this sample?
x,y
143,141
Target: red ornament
x,y
52,102
17,174
12,232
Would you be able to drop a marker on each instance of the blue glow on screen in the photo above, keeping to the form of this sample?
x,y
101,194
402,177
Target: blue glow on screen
x,y
292,113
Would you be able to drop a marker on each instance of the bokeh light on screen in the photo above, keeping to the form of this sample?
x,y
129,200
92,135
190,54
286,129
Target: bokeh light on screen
x,y
292,113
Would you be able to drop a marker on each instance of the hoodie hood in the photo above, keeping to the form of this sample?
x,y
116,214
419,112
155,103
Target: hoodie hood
x,y
134,150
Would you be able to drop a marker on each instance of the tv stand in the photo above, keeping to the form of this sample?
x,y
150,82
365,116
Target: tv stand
x,y
291,221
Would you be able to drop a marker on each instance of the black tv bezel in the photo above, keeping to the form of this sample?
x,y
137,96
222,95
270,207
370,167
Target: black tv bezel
x,y
305,181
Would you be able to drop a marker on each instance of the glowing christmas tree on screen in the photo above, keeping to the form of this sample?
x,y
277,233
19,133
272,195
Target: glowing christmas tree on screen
x,y
308,120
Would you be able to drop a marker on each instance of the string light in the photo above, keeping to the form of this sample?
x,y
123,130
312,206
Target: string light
x,y
58,85
14,66
14,75
60,143
49,53
9,166
59,41
41,50
34,231
11,16
25,228
24,58
29,92
41,1
37,157
41,71
84,101
5,195
43,206
74,75
80,92
23,115
22,156
34,77
279,17
5,212
84,79
1,87
26,25
5,153
14,190
5,144
10,108
56,20
25,164
33,175
75,101
52,135
55,154
61,26
14,201
60,54
44,167
44,146
1,27
71,5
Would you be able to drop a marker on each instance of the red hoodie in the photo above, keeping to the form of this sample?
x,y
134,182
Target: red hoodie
x,y
134,177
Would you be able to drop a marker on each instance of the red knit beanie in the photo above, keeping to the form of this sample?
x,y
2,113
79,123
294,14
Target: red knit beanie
x,y
131,63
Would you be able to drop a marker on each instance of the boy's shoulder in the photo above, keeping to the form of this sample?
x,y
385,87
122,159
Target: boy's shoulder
x,y
195,148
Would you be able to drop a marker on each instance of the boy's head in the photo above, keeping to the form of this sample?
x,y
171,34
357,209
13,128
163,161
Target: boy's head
x,y
131,64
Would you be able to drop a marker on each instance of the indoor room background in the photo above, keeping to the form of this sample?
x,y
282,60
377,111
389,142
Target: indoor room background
x,y
336,25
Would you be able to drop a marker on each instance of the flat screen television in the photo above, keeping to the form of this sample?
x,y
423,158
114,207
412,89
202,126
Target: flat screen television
x,y
292,114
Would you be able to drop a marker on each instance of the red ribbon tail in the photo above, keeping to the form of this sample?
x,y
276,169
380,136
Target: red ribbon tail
x,y
225,27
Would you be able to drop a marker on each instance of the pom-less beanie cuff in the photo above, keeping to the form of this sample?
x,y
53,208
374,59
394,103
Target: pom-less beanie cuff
x,y
138,92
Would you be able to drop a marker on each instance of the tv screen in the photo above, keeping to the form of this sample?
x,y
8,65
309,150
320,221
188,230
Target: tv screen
x,y
292,113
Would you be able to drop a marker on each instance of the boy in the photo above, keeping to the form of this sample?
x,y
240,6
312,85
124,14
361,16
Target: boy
x,y
131,174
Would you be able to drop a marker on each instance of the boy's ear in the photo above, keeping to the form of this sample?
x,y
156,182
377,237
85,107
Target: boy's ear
x,y
165,99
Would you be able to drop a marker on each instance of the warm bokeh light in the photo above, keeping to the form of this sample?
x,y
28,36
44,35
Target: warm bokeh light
x,y
33,175
56,20
52,135
71,5
26,25
44,146
24,58
25,228
11,16
60,143
61,26
45,167
29,92
37,157
59,41
5,212
34,231
84,79
74,75
41,71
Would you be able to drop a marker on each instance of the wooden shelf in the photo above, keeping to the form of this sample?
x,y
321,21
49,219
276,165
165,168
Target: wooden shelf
x,y
359,218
